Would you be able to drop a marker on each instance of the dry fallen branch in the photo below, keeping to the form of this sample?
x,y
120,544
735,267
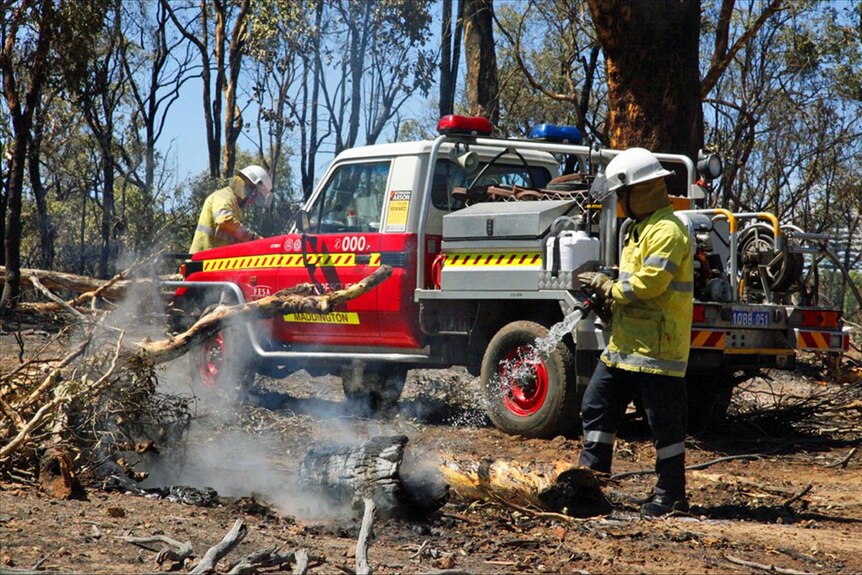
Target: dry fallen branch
x,y
842,463
175,551
254,562
280,303
218,551
363,541
763,567
797,496
69,381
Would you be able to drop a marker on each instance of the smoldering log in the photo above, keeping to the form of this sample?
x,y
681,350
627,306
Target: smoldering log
x,y
373,469
557,486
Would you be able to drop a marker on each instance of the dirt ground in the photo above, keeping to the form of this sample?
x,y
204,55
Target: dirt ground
x,y
796,508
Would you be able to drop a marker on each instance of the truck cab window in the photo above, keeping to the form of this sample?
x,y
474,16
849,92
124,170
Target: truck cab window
x,y
449,175
352,199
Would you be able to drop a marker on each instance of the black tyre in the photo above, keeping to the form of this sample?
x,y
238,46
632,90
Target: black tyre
x,y
527,394
373,388
224,361
708,398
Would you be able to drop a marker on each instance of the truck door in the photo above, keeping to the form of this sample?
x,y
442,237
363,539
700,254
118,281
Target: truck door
x,y
342,246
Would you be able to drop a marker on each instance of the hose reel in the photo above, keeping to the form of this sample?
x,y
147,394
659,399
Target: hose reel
x,y
765,266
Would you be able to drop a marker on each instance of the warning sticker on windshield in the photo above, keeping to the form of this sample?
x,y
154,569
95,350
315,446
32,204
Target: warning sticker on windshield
x,y
339,317
399,207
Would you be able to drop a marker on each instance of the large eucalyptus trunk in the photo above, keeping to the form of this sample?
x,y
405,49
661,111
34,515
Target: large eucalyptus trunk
x,y
651,52
483,88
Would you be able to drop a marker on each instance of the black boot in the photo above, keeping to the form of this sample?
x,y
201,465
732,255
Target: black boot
x,y
664,505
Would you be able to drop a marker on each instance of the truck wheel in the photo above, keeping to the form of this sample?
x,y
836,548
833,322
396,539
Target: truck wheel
x,y
527,394
224,361
373,388
708,399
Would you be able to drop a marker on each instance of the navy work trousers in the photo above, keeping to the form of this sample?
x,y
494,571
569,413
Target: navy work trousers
x,y
663,398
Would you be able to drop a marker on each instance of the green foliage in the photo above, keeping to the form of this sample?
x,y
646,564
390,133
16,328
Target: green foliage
x,y
555,41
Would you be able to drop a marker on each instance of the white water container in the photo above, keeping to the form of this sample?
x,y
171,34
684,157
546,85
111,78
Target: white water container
x,y
575,249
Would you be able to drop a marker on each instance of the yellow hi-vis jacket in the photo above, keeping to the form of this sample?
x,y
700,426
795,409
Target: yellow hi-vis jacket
x,y
220,222
652,307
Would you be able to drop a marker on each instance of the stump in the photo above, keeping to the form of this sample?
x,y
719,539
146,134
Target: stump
x,y
373,469
57,474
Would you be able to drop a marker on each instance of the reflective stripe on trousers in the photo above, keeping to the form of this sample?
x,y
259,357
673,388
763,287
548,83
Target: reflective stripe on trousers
x,y
663,398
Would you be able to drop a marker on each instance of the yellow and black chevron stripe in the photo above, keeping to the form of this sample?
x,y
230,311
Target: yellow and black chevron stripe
x,y
288,261
525,259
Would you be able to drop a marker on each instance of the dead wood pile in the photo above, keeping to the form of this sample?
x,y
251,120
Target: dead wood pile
x,y
87,398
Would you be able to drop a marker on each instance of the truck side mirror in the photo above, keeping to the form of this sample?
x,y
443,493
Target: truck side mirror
x,y
301,221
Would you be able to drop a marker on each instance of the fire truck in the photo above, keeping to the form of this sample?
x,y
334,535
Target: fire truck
x,y
486,237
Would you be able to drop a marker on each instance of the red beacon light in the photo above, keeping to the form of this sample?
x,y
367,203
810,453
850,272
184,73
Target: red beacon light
x,y
464,125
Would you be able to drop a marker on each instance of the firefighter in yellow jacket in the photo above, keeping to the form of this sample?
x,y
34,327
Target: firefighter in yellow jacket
x,y
220,222
651,308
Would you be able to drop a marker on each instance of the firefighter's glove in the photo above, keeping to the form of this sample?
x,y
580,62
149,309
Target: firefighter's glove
x,y
599,287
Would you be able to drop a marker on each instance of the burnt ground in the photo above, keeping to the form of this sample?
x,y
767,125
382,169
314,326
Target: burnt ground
x,y
741,509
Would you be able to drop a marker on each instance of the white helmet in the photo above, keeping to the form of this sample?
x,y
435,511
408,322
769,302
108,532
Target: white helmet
x,y
633,166
259,178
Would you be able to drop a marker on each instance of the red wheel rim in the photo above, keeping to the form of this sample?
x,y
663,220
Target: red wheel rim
x,y
524,381
212,359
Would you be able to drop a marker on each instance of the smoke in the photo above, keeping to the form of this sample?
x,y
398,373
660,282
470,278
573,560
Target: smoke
x,y
247,439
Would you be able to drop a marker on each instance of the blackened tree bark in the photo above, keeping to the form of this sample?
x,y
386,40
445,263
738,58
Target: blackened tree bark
x,y
309,140
654,91
483,89
24,77
450,54
47,231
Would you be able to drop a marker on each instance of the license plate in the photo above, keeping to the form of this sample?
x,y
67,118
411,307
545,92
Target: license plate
x,y
743,318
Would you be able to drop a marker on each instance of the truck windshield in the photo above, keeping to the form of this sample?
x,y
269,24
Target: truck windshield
x,y
352,200
449,175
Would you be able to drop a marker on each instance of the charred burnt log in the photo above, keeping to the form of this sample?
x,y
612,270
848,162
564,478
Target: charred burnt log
x,y
557,486
373,469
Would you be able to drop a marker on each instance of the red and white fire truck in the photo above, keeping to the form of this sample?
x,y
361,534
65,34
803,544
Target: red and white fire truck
x,y
486,237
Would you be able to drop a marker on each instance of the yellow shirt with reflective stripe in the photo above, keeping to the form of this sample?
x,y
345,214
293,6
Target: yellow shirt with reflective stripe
x,y
653,298
220,206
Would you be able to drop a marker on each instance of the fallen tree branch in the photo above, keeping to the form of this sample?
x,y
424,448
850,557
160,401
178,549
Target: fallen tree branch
x,y
253,562
763,567
539,514
59,303
362,542
10,571
842,463
175,551
704,465
798,496
301,566
215,553
279,303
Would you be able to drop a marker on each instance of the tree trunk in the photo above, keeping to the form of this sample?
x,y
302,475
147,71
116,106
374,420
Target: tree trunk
x,y
108,208
359,32
450,55
309,143
21,103
483,90
233,116
651,51
46,228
